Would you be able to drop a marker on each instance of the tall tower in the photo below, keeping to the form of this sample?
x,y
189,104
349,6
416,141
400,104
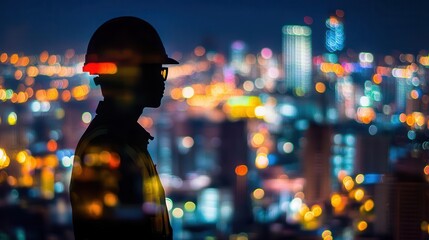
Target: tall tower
x,y
238,52
297,59
335,33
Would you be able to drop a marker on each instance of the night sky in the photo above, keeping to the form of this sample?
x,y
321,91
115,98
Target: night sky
x,y
378,26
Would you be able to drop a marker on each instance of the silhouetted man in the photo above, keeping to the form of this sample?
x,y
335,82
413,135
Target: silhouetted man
x,y
115,189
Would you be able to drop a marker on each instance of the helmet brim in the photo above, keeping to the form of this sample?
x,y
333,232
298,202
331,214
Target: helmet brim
x,y
170,61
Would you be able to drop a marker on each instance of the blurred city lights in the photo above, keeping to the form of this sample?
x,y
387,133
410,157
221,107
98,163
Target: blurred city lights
x,y
177,212
12,118
344,93
190,206
362,225
258,193
241,170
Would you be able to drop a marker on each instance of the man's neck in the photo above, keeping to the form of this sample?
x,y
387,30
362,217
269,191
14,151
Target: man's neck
x,y
118,110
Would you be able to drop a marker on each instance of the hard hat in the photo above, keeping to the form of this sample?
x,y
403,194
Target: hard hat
x,y
125,41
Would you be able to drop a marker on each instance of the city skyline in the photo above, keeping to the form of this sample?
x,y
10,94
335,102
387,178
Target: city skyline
x,y
252,141
379,27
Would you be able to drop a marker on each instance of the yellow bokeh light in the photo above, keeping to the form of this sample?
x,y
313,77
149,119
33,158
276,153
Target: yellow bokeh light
x,y
362,225
304,209
326,233
258,193
52,94
359,178
22,156
308,216
177,213
261,161
4,159
188,92
110,199
12,118
317,210
190,206
348,183
336,200
359,194
368,205
320,87
80,92
258,139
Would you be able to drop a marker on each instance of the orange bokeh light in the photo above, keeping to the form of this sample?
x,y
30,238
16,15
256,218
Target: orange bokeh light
x,y
52,145
241,170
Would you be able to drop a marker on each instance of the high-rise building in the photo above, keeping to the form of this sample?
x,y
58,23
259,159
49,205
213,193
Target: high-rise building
x,y
334,34
403,89
316,166
297,59
238,54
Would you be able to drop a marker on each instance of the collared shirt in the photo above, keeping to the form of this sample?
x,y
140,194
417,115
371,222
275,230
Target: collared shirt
x,y
115,189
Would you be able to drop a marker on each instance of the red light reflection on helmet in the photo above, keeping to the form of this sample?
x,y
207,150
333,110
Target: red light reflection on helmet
x,y
100,68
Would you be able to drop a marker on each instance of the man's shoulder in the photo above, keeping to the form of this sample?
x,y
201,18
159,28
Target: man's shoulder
x,y
99,138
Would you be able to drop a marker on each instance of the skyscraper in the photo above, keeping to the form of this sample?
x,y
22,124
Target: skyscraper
x,y
297,59
238,52
335,34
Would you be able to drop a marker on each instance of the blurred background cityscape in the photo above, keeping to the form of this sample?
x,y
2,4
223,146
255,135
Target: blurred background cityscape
x,y
249,144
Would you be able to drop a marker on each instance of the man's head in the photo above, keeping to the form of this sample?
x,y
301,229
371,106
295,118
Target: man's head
x,y
128,55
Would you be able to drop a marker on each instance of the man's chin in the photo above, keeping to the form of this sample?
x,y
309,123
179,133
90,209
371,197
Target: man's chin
x,y
154,104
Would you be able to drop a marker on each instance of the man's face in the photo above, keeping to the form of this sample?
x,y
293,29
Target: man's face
x,y
150,85
138,85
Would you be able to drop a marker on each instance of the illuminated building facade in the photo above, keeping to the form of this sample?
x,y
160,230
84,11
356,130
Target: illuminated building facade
x,y
335,34
231,150
297,59
343,156
238,54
